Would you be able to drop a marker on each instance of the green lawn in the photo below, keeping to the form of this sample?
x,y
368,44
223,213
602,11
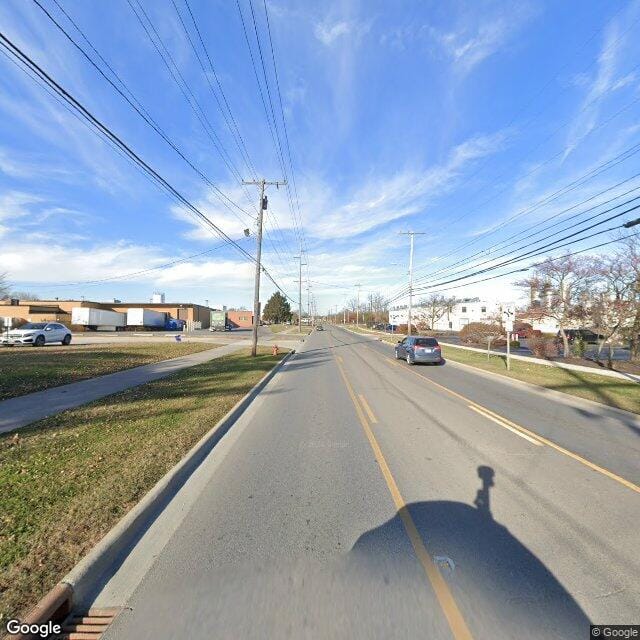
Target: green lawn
x,y
614,392
66,480
27,369
277,328
291,330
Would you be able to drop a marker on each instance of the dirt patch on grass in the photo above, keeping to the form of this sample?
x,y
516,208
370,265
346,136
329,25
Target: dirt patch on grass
x,y
65,481
25,369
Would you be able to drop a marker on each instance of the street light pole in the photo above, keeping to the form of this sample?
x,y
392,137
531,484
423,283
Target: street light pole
x,y
411,235
262,205
358,307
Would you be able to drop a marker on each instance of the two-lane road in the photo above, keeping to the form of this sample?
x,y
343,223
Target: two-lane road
x,y
361,497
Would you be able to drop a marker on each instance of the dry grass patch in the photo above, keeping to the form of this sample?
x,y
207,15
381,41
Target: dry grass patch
x,y
65,481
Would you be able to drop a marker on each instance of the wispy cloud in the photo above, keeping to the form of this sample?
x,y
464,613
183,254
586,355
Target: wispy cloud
x,y
380,201
328,33
480,36
606,80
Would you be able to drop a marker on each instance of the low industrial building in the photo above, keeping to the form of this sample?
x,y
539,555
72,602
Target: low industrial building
x,y
60,310
240,319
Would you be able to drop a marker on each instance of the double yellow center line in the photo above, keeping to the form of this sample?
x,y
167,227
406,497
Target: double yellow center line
x,y
445,598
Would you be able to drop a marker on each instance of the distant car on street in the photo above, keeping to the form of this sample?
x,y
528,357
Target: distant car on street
x,y
419,349
319,328
37,334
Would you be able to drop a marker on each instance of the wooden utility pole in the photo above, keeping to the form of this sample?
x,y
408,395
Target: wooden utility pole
x,y
262,205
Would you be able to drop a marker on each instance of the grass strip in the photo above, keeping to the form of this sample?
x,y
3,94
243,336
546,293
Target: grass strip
x,y
66,480
26,369
614,392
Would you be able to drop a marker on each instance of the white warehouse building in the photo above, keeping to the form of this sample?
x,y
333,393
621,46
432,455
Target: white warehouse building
x,y
461,314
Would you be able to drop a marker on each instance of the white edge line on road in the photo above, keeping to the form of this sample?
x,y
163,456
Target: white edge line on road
x,y
505,425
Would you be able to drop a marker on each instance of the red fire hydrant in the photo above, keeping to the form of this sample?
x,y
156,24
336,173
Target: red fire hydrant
x,y
274,350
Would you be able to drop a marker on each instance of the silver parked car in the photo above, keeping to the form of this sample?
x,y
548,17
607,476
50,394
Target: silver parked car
x,y
37,334
419,349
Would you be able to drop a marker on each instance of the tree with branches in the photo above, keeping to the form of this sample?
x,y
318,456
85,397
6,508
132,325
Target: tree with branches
x,y
562,288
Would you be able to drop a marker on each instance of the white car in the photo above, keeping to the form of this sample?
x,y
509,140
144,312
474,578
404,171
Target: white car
x,y
37,334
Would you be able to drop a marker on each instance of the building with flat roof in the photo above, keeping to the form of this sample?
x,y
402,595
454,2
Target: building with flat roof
x,y
60,310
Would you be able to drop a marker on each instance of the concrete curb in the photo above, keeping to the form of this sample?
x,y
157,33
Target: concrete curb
x,y
545,363
105,558
564,398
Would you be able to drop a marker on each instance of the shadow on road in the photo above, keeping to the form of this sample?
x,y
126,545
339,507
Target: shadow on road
x,y
502,589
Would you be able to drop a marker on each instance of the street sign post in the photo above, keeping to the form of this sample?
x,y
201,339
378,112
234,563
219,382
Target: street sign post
x,y
508,317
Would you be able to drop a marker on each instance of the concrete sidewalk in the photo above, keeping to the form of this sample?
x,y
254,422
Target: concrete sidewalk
x,y
23,410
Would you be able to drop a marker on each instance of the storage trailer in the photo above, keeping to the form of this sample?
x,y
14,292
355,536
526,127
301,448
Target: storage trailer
x,y
98,319
140,317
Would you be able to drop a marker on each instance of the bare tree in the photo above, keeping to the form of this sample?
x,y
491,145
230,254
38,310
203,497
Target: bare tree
x,y
4,285
612,308
563,287
433,308
630,257
24,295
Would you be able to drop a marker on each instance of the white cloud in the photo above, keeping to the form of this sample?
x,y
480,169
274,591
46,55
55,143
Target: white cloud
x,y
380,201
231,221
605,81
328,33
478,38
16,204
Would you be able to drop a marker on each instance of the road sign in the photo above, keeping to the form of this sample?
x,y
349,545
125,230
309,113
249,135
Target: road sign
x,y
508,317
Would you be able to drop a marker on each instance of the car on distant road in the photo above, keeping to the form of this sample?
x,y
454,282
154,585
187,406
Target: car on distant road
x,y
419,349
319,328
37,334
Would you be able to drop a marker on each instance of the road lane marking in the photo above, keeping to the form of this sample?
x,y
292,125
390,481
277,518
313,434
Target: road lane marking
x,y
445,598
340,359
367,409
505,425
549,443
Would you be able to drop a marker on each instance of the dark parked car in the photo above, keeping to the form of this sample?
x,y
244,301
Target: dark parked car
x,y
419,349
586,334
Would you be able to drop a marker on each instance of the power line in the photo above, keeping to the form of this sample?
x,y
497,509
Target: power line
x,y
533,253
133,274
184,88
493,258
115,140
566,255
134,103
571,186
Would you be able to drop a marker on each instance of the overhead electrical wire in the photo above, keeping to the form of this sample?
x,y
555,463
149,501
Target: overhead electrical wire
x,y
522,270
533,253
269,112
183,86
571,186
405,291
116,141
135,104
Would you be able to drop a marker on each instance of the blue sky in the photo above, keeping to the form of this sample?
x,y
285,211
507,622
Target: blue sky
x,y
442,117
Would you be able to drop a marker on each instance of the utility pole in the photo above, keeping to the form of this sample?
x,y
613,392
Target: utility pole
x,y
411,235
358,306
301,264
262,205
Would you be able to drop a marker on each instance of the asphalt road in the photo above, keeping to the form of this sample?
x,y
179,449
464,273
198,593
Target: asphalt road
x,y
364,498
